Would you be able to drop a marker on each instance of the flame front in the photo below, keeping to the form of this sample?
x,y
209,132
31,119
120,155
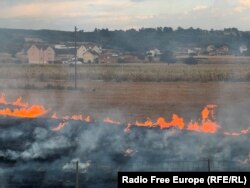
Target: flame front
x,y
176,121
242,132
20,109
31,112
111,121
59,127
206,124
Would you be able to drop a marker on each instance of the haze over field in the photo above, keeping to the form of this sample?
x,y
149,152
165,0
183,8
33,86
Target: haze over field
x,y
124,14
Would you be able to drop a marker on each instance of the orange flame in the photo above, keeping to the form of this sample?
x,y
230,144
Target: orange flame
x,y
161,122
19,102
147,123
59,127
54,116
242,132
25,111
207,123
73,117
31,112
175,122
2,99
109,120
87,119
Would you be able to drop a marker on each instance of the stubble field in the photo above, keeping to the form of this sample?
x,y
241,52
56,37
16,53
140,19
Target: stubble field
x,y
161,90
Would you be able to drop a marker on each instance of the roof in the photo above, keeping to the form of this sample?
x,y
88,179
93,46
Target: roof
x,y
65,51
92,52
89,45
41,46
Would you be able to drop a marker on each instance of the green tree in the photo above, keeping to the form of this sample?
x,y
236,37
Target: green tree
x,y
168,57
191,61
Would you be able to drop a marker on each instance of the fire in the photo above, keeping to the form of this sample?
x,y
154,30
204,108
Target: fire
x,y
87,119
161,122
59,127
109,120
25,110
30,112
242,132
54,116
22,110
2,99
206,127
73,117
175,122
207,123
147,123
17,103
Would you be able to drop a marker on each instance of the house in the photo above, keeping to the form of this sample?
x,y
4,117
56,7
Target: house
x,y
64,55
211,48
191,52
243,49
153,55
108,58
41,54
154,52
128,58
90,57
223,50
21,57
88,47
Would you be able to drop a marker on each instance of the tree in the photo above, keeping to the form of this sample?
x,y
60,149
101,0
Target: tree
x,y
191,61
168,57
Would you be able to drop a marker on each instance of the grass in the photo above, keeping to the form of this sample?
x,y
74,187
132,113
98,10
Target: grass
x,y
131,91
128,72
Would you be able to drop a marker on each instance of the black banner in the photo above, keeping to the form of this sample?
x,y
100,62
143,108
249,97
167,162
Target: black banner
x,y
183,179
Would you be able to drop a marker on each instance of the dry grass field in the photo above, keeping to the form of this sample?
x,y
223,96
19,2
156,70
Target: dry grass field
x,y
130,92
64,74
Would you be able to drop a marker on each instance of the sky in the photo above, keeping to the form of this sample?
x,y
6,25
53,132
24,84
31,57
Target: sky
x,y
124,14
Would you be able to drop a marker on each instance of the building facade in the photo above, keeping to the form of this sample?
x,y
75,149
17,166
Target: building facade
x,y
41,54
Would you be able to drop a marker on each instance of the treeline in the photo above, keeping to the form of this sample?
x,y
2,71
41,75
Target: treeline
x,y
138,41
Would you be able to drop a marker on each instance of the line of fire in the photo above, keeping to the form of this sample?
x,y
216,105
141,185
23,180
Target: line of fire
x,y
56,148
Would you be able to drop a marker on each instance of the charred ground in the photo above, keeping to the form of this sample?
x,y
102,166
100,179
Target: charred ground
x,y
34,155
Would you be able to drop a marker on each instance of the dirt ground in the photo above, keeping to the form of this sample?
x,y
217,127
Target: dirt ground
x,y
128,101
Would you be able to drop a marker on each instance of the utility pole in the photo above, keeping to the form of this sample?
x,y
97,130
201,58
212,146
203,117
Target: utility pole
x,y
208,165
75,59
77,175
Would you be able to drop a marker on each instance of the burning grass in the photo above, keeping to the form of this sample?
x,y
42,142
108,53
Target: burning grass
x,y
47,146
206,124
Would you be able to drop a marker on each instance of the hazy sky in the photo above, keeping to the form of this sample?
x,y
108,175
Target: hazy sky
x,y
124,14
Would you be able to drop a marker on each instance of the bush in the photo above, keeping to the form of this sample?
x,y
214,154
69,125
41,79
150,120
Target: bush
x,y
191,61
168,57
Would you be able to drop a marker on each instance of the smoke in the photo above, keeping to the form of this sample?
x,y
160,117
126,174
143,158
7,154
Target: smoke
x,y
30,148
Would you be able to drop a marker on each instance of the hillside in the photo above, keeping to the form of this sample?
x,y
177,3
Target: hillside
x,y
13,40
